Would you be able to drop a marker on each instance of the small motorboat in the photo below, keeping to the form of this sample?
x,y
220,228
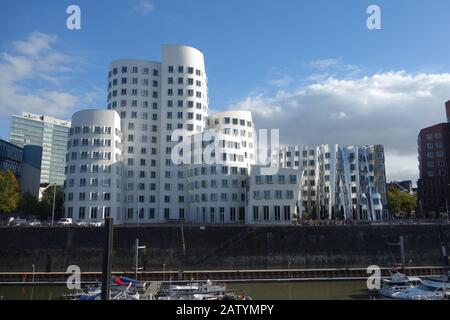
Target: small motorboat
x,y
431,288
398,282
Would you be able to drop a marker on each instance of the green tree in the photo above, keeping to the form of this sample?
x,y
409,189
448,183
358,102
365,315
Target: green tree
x,y
9,192
46,204
401,204
29,205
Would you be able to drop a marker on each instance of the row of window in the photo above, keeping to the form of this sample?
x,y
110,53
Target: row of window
x,y
281,179
441,172
181,81
215,197
265,213
276,194
84,168
86,142
92,213
182,69
180,115
351,156
181,92
134,104
134,69
218,214
133,92
203,184
437,135
438,144
431,164
91,196
92,182
92,129
228,120
430,155
133,81
193,172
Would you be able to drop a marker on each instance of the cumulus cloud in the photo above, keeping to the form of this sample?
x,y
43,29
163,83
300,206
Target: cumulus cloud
x,y
144,6
32,74
386,108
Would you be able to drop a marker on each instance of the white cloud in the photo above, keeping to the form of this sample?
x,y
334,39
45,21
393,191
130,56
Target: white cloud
x,y
386,108
324,63
32,76
281,82
144,6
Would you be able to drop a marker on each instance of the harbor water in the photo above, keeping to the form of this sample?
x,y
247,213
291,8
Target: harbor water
x,y
304,290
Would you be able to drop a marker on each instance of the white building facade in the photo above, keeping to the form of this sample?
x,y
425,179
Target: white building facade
x,y
169,160
339,182
93,188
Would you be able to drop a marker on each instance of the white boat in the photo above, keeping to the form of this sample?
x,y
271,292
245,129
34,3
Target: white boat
x,y
436,288
196,291
398,282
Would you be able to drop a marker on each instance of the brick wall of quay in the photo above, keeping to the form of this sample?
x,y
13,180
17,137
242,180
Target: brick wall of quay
x,y
221,247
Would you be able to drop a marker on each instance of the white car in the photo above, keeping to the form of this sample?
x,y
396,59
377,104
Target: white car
x,y
64,222
96,223
34,223
82,223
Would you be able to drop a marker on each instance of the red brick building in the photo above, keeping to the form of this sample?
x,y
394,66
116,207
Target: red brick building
x,y
433,193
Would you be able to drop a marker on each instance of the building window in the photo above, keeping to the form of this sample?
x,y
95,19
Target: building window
x,y
256,213
266,213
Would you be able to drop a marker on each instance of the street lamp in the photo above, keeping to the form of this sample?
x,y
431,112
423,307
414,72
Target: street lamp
x,y
164,272
53,208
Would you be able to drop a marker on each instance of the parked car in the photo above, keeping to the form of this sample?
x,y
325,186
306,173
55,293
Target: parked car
x,y
64,222
18,222
96,223
82,223
34,223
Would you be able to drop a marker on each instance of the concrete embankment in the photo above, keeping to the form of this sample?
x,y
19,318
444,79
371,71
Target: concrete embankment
x,y
222,247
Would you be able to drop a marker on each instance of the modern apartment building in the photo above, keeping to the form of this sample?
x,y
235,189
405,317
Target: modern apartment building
x,y
433,194
346,182
10,157
157,156
93,189
49,133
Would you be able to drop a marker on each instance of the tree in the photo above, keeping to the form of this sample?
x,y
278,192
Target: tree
x,y
29,205
46,204
9,192
401,204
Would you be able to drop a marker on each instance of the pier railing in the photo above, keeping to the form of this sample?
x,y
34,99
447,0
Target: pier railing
x,y
269,275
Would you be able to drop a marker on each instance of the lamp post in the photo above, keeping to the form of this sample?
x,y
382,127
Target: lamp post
x,y
34,269
53,207
136,257
164,272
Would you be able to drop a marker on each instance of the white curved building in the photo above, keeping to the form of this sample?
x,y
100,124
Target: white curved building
x,y
218,184
134,91
184,108
155,156
94,166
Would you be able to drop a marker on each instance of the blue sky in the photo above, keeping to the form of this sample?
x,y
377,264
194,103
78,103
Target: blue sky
x,y
260,55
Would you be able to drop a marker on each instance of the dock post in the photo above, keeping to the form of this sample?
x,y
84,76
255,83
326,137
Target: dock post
x,y
107,258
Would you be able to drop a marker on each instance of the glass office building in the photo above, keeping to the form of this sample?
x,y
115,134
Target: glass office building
x,y
49,133
10,157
